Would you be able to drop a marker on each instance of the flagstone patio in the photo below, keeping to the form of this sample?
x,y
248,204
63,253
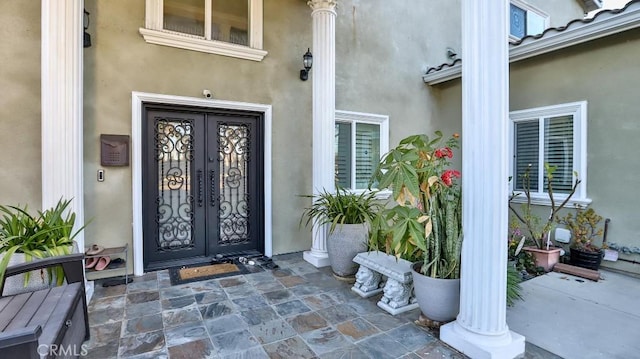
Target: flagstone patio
x,y
294,311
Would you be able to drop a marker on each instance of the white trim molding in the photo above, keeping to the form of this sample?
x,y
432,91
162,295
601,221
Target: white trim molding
x,y
137,100
61,101
553,40
154,33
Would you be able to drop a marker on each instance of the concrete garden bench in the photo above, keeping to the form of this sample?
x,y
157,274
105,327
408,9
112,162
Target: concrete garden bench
x,y
398,290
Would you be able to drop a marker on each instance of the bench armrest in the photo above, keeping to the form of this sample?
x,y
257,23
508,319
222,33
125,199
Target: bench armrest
x,y
71,265
20,336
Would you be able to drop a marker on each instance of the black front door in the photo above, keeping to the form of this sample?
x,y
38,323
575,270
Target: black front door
x,y
202,185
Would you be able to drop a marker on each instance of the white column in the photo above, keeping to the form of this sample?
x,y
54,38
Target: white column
x,y
62,46
324,107
480,330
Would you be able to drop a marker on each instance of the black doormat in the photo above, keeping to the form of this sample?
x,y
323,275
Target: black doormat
x,y
194,273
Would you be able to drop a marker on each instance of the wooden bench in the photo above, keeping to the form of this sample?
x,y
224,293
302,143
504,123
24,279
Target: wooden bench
x,y
48,323
398,289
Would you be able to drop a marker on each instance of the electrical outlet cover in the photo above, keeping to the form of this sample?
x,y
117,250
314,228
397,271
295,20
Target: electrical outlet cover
x,y
563,235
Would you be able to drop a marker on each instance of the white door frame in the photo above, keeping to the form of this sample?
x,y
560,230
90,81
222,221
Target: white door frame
x,y
137,99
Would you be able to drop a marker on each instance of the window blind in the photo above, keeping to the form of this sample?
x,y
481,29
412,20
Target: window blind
x,y
558,151
527,140
367,152
343,154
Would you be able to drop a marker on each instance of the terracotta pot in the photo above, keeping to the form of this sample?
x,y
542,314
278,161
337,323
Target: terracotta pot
x,y
545,258
439,299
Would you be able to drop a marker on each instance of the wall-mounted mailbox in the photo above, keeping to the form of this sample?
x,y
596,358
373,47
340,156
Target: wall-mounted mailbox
x,y
114,150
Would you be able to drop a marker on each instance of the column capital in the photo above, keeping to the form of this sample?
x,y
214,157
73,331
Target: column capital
x,y
322,4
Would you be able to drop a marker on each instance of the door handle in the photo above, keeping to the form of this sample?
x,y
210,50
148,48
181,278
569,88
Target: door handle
x,y
200,184
212,183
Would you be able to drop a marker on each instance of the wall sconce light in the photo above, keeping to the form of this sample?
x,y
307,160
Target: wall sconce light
x,y
87,37
307,62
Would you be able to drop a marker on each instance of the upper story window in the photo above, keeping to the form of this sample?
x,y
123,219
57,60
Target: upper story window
x,y
526,20
224,27
360,140
555,135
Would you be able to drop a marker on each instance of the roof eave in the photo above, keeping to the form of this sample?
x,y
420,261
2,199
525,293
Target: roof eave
x,y
596,29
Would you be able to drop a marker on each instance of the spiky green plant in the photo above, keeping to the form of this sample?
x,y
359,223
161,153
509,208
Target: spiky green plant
x,y
341,207
426,222
514,290
49,233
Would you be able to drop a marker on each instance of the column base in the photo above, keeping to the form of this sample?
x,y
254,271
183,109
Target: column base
x,y
317,260
481,346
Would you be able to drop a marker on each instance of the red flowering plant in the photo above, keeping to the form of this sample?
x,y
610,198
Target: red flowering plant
x,y
425,224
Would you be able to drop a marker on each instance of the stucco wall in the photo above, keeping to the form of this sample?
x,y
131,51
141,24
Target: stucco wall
x,y
605,73
20,174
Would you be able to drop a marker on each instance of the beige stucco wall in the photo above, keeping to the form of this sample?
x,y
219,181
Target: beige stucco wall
x,y
380,55
605,73
20,169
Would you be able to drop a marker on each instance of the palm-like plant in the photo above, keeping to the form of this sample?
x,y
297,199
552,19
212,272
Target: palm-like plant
x,y
426,223
47,234
341,207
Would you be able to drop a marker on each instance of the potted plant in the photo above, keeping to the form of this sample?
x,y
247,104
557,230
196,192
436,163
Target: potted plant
x,y
24,237
584,227
349,216
425,225
536,229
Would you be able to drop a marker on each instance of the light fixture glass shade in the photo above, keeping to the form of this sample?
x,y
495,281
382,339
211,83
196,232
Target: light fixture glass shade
x,y
307,60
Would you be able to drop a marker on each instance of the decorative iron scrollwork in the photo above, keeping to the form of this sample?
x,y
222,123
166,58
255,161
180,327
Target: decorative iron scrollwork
x,y
234,143
173,140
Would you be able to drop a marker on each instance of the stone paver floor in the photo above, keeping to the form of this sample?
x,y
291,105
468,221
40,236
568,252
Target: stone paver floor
x,y
294,311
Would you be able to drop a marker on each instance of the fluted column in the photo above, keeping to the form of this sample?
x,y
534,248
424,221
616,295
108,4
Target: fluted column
x,y
480,329
324,107
62,46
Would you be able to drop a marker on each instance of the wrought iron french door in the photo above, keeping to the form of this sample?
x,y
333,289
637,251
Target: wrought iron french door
x,y
202,185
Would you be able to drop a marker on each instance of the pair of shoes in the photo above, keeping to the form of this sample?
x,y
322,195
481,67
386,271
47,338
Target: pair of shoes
x,y
94,249
97,263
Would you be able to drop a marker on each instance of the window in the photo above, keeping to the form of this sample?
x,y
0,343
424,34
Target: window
x,y
224,27
361,139
526,20
554,135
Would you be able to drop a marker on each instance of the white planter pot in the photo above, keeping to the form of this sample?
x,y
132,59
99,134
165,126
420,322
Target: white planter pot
x,y
439,299
343,245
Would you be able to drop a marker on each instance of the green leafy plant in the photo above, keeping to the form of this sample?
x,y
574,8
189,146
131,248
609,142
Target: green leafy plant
x,y
49,233
426,222
514,290
341,207
538,229
584,227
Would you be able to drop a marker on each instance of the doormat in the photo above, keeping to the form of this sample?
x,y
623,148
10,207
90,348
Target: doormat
x,y
181,275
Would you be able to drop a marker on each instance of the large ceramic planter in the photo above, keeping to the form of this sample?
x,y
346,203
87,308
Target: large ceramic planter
x,y
343,244
586,259
439,299
545,258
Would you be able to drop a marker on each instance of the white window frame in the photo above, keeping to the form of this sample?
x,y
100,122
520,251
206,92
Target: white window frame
x,y
529,8
354,118
154,33
579,112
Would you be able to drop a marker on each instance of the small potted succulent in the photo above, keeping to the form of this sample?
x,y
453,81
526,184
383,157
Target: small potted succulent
x,y
585,228
536,229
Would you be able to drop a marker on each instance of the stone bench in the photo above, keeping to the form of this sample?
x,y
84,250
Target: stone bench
x,y
398,290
